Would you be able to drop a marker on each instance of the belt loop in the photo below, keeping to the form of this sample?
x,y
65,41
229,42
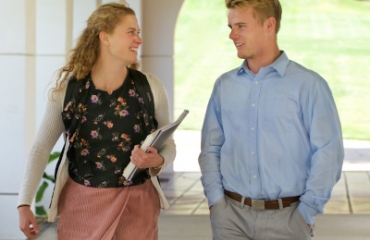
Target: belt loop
x,y
280,203
242,202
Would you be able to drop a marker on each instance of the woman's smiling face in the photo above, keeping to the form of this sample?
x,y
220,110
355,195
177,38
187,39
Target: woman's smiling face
x,y
125,41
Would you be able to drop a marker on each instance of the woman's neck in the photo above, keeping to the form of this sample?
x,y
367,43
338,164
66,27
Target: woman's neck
x,y
108,77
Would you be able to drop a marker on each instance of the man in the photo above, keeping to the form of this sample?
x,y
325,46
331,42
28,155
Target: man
x,y
272,145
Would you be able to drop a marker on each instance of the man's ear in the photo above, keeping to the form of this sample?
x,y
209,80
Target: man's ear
x,y
104,38
270,24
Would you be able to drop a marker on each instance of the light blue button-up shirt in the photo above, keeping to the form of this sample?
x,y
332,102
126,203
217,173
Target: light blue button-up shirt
x,y
272,135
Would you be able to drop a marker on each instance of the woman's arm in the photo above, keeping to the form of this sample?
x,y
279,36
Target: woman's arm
x,y
50,129
49,132
168,152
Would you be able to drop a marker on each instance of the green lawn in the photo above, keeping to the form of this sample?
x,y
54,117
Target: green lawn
x,y
331,37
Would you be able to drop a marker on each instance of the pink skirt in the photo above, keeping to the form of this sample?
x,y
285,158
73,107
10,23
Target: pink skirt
x,y
108,213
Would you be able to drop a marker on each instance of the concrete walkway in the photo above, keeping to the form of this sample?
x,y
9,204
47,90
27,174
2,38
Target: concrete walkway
x,y
328,227
197,227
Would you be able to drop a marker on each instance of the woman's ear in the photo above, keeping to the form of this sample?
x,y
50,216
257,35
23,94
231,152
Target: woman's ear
x,y
104,38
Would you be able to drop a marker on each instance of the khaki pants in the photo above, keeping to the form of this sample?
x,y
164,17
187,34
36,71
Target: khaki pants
x,y
233,220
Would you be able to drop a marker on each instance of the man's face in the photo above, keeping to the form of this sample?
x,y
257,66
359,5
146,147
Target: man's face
x,y
247,34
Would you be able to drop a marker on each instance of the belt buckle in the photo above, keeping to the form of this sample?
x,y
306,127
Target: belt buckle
x,y
258,204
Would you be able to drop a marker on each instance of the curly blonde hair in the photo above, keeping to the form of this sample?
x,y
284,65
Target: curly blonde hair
x,y
263,8
83,56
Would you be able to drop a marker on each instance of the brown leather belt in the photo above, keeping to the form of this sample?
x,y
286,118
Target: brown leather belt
x,y
262,204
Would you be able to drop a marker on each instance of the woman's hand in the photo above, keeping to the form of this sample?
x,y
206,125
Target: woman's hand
x,y
146,159
27,222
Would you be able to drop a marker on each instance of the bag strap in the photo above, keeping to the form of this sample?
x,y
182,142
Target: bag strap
x,y
72,89
144,90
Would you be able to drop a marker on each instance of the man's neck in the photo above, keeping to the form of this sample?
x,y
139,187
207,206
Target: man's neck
x,y
264,60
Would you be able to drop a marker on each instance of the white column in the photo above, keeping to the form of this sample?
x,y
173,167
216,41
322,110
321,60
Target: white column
x,y
82,10
158,24
17,75
159,20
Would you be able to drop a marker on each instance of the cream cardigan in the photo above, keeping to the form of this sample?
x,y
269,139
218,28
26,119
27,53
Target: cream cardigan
x,y
52,127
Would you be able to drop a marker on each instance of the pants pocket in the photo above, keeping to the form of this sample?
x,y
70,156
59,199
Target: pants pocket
x,y
220,202
302,222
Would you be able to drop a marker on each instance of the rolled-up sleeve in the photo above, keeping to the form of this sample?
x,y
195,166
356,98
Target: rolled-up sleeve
x,y
322,123
212,141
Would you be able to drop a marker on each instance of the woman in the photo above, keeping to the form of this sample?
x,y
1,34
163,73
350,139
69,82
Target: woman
x,y
104,119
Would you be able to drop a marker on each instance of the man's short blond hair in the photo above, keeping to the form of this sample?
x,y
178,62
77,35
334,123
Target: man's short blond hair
x,y
263,9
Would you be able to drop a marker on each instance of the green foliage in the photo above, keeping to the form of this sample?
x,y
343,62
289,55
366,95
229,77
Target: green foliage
x,y
330,37
48,177
40,210
53,156
40,191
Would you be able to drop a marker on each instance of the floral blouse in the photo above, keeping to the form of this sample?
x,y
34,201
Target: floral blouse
x,y
110,126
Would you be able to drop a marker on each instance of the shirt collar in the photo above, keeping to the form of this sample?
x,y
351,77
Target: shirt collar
x,y
244,69
280,65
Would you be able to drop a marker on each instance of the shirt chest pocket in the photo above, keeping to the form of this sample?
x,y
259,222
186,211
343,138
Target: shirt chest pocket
x,y
279,115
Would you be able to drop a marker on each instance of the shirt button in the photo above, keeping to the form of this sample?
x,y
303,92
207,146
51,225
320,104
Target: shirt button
x,y
252,153
254,176
252,129
253,104
256,82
